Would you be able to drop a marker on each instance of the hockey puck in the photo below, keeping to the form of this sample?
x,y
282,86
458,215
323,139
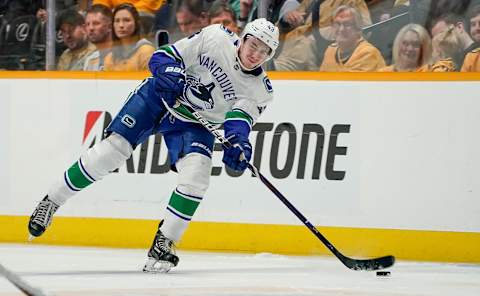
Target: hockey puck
x,y
383,273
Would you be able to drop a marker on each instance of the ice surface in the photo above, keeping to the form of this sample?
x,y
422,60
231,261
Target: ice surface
x,y
97,271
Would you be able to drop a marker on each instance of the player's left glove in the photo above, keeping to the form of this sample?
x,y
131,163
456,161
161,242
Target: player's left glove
x,y
170,82
239,154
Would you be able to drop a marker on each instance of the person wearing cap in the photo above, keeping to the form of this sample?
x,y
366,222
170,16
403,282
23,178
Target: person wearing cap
x,y
72,27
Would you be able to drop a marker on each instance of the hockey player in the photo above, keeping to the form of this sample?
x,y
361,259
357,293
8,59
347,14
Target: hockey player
x,y
214,72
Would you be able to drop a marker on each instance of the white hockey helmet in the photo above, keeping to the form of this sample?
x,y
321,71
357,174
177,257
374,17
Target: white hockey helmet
x,y
265,31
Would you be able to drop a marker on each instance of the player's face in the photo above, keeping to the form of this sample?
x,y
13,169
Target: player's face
x,y
98,27
346,33
253,52
410,50
123,24
74,37
475,28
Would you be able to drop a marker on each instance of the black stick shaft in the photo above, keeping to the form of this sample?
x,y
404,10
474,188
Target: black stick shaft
x,y
355,264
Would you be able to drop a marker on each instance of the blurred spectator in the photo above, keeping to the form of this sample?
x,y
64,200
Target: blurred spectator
x,y
290,16
60,5
465,42
412,49
303,48
439,8
191,17
72,26
391,12
473,18
472,61
447,45
221,13
245,14
99,21
130,51
299,54
401,2
15,8
325,12
146,9
350,52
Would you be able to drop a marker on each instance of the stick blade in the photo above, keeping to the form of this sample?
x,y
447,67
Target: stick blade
x,y
369,264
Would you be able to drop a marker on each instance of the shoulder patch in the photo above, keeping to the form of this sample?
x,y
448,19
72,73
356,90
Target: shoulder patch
x,y
268,84
226,30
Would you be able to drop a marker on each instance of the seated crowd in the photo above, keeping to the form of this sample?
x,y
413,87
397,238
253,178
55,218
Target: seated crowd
x,y
329,35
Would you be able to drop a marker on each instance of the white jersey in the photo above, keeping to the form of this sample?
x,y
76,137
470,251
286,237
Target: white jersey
x,y
216,86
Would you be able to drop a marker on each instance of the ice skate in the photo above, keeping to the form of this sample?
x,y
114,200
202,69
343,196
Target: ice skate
x,y
161,256
41,217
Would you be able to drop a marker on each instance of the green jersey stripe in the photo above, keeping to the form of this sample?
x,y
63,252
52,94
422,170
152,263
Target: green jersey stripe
x,y
170,52
238,114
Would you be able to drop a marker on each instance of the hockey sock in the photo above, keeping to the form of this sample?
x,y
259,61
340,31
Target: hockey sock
x,y
93,165
193,179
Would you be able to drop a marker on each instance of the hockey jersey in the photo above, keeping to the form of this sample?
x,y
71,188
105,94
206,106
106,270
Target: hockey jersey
x,y
216,86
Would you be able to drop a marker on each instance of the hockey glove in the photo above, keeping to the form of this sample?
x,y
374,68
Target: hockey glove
x,y
239,154
169,84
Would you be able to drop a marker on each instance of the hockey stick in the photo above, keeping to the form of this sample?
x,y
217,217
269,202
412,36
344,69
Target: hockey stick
x,y
355,264
19,283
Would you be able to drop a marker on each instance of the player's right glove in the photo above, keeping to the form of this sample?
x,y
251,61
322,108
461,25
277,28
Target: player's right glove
x,y
232,156
169,83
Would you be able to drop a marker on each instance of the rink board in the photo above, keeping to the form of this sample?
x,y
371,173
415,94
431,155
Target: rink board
x,y
388,166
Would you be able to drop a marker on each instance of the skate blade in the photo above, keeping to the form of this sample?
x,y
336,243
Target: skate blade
x,y
31,237
154,266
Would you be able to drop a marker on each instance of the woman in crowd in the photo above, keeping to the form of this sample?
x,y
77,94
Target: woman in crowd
x,y
412,50
130,52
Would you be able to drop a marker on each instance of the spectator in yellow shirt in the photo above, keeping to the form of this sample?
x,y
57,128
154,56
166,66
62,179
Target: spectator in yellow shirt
x,y
72,26
463,39
472,61
146,9
412,49
304,46
350,52
446,46
130,51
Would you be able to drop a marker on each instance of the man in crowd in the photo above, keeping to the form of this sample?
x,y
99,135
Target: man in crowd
x,y
471,63
222,13
350,52
72,26
474,19
99,21
443,22
309,33
191,17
